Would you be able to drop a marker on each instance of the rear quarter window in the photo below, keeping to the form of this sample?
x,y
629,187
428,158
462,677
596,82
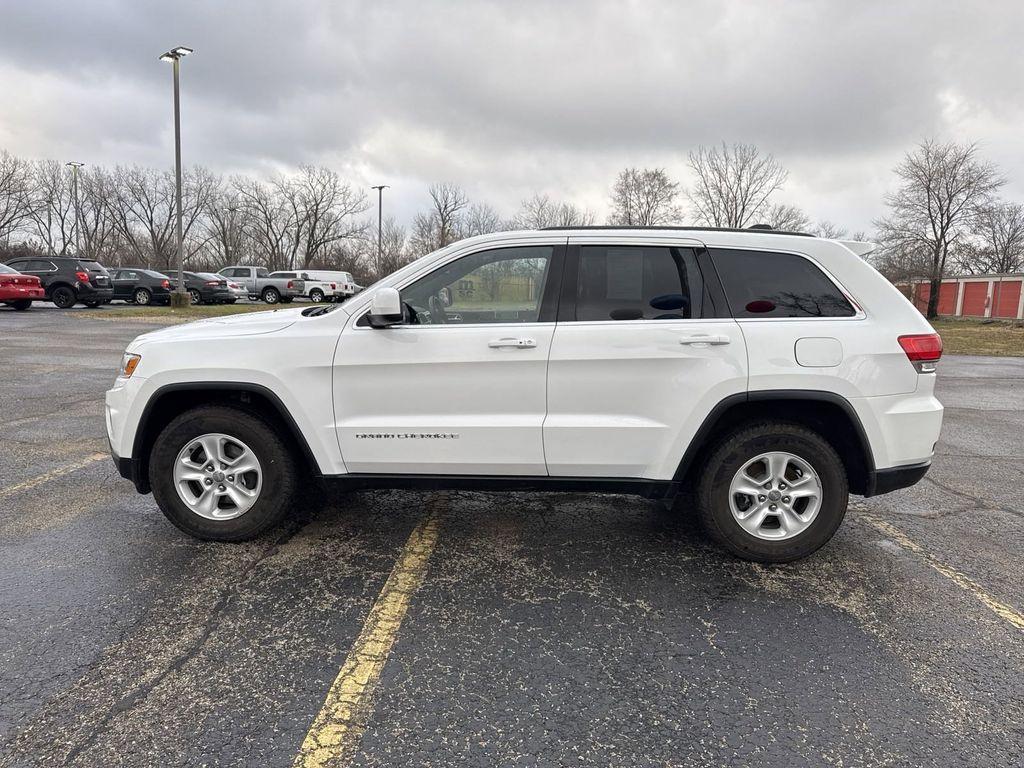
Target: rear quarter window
x,y
767,284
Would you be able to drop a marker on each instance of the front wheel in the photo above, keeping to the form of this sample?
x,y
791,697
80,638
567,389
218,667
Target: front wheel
x,y
142,297
221,473
773,492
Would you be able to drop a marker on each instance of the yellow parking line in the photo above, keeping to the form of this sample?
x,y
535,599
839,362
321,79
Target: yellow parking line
x,y
51,475
1002,610
335,734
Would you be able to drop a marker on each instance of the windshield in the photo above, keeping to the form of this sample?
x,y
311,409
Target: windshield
x,y
5,270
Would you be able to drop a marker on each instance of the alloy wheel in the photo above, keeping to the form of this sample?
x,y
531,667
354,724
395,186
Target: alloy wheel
x,y
218,476
775,496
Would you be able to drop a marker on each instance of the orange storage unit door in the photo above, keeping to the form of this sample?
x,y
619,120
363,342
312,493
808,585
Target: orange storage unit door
x,y
947,298
1006,298
921,293
974,299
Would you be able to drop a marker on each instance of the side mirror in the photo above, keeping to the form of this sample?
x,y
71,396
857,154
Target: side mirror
x,y
386,309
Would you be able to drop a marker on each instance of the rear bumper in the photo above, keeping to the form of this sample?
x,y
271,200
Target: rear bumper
x,y
893,478
88,292
20,293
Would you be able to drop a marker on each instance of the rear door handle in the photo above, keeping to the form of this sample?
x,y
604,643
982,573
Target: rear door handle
x,y
510,342
704,339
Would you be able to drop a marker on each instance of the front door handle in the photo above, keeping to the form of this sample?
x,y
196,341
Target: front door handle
x,y
716,340
510,342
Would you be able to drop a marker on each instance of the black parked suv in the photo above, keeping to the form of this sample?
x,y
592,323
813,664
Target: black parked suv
x,y
67,280
141,286
206,289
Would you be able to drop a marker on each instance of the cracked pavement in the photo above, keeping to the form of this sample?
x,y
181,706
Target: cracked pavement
x,y
549,629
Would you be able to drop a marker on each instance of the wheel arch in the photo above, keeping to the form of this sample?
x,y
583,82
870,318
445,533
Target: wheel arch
x,y
173,399
827,413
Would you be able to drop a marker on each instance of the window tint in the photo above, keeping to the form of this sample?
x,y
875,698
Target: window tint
x,y
619,282
761,284
127,275
261,272
92,266
503,285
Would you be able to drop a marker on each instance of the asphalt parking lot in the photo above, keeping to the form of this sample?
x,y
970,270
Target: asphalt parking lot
x,y
495,629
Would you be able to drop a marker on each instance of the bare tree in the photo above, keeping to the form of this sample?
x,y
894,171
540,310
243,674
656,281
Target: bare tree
x,y
942,187
97,233
438,226
225,225
828,230
479,219
143,212
15,193
999,244
787,217
327,211
644,197
53,210
734,184
541,211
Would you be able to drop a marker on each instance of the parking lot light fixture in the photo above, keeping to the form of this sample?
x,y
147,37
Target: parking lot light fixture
x,y
175,55
74,166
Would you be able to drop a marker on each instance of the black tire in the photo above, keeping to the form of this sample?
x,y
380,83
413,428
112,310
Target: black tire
x,y
194,296
316,295
21,304
142,296
271,295
739,448
63,297
279,472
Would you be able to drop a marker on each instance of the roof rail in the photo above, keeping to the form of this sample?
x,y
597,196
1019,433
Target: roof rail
x,y
758,229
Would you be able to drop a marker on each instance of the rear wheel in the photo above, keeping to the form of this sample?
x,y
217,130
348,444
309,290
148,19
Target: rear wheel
x,y
271,295
142,296
194,296
222,473
773,492
316,295
63,297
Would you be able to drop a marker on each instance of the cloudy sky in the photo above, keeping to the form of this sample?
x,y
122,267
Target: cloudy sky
x,y
508,98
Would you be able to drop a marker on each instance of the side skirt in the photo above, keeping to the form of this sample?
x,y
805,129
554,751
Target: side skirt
x,y
648,489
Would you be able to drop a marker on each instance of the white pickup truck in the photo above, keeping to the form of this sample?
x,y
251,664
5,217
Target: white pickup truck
x,y
324,285
262,285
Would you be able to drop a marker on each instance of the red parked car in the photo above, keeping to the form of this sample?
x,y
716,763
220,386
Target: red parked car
x,y
18,290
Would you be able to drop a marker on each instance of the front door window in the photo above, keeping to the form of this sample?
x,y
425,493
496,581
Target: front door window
x,y
503,285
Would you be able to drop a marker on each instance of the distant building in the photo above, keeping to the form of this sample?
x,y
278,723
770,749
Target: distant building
x,y
998,296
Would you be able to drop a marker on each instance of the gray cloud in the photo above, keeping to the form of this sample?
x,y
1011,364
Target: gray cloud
x,y
508,98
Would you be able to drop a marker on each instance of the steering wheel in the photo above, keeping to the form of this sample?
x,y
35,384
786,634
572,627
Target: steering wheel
x,y
437,314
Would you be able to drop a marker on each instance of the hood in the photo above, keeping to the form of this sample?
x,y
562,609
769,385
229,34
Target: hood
x,y
249,324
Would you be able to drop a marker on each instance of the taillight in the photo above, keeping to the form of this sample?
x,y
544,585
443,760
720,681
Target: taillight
x,y
333,286
291,284
6,279
83,277
212,282
923,350
166,284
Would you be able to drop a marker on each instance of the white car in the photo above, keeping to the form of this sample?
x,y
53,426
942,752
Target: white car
x,y
773,373
343,285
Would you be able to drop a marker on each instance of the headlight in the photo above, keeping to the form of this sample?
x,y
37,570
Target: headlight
x,y
129,362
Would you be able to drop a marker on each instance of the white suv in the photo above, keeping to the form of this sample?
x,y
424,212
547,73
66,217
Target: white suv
x,y
773,373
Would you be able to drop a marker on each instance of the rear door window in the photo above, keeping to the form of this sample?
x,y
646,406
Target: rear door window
x,y
766,284
625,282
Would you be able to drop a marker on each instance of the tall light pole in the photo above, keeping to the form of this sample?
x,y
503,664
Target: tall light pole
x,y
175,55
380,208
74,166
